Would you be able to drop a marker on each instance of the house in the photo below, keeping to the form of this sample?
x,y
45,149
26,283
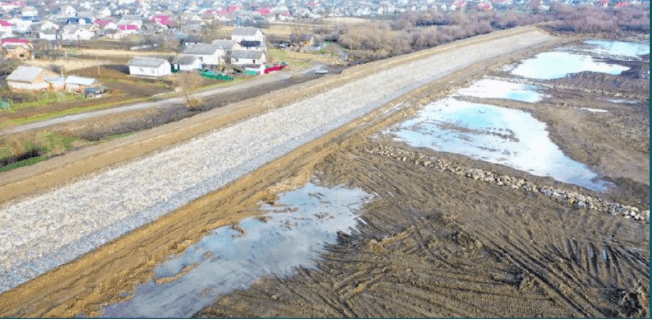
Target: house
x,y
225,45
48,34
79,84
252,45
77,32
49,25
153,67
208,54
254,68
5,26
247,34
68,11
20,51
241,57
80,21
187,63
31,78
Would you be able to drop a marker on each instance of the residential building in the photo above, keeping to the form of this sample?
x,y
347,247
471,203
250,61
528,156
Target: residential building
x,y
247,34
79,84
154,67
208,54
187,63
241,57
31,78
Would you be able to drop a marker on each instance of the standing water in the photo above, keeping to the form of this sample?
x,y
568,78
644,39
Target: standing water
x,y
555,65
488,88
290,236
493,134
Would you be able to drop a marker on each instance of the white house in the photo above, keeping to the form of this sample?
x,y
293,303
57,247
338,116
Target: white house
x,y
29,12
207,53
68,11
241,57
225,45
104,12
247,34
187,62
48,34
77,32
5,26
153,67
49,25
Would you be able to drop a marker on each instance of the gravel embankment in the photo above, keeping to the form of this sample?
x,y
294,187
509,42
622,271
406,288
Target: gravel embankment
x,y
48,230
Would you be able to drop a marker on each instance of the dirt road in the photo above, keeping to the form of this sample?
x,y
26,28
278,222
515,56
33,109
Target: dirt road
x,y
168,180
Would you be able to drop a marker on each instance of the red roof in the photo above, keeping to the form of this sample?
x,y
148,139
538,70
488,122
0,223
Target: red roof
x,y
264,11
102,22
161,19
621,4
4,23
222,12
19,3
233,8
128,27
14,41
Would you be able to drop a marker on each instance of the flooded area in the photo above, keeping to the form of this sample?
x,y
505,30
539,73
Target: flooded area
x,y
291,234
618,49
594,110
497,89
556,65
493,134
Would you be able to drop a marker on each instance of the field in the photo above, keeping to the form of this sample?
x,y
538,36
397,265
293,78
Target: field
x,y
439,234
68,64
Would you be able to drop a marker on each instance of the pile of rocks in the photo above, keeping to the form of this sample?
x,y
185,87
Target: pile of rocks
x,y
574,199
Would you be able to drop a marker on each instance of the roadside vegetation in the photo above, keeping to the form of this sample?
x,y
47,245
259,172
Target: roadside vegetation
x,y
417,31
26,149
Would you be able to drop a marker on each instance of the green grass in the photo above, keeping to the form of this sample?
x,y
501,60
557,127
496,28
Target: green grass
x,y
45,116
27,162
113,137
45,98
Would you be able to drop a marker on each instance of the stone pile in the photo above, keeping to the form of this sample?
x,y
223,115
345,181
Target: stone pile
x,y
574,199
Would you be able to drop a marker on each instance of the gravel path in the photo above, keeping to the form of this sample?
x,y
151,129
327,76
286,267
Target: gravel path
x,y
46,231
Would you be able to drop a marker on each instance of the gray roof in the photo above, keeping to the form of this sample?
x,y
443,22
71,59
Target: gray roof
x,y
25,74
243,54
73,79
146,62
11,46
246,31
185,59
224,44
201,49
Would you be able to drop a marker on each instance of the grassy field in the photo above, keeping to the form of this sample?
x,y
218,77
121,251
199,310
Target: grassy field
x,y
44,98
68,64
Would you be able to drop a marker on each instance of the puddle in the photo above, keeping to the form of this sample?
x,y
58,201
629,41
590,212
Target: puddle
x,y
555,65
616,49
594,110
498,135
496,89
619,101
230,258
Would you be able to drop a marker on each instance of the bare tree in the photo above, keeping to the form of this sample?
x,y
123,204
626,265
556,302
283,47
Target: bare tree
x,y
188,82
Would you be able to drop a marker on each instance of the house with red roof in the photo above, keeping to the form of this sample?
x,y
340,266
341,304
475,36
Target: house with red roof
x,y
3,41
5,26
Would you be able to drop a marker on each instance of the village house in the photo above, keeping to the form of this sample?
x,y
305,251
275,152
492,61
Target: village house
x,y
242,57
68,11
48,34
32,78
5,26
208,54
187,63
247,34
79,84
153,67
20,51
77,32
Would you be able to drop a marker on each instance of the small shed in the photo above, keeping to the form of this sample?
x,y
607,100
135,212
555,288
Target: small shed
x,y
30,78
78,84
154,67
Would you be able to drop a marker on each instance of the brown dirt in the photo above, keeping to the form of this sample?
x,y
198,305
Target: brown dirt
x,y
440,245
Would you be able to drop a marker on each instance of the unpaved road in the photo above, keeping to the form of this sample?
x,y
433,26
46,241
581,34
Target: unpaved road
x,y
273,77
58,226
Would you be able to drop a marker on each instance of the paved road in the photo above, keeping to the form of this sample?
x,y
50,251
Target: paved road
x,y
47,230
273,77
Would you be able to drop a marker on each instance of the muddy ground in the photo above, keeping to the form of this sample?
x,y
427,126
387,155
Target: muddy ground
x,y
437,244
440,245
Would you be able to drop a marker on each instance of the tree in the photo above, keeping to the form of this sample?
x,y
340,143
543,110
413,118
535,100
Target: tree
x,y
188,82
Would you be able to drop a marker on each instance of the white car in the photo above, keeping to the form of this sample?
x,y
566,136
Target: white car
x,y
321,71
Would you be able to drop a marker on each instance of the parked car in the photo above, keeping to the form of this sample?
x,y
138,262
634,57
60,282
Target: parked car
x,y
321,71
